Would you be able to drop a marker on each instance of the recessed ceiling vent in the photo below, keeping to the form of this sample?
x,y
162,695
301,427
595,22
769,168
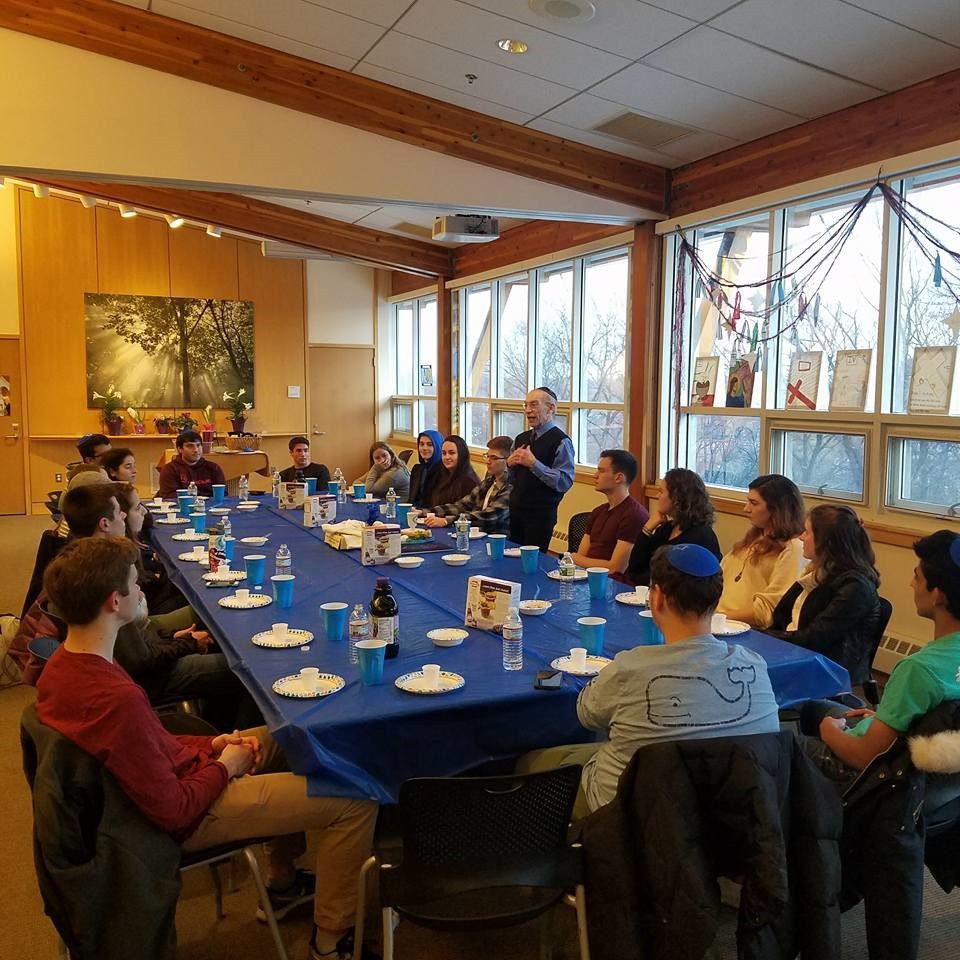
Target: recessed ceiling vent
x,y
567,11
644,131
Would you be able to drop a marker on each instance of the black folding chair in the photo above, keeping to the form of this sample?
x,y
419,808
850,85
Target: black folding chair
x,y
576,528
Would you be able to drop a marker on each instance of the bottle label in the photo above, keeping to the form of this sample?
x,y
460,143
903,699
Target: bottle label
x,y
386,628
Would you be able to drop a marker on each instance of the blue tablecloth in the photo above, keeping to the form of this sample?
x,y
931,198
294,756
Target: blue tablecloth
x,y
365,741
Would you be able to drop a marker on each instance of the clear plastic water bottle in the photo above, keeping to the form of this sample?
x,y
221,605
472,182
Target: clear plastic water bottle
x,y
391,504
243,487
463,533
227,527
283,562
513,641
568,570
341,485
359,629
199,505
192,490
275,492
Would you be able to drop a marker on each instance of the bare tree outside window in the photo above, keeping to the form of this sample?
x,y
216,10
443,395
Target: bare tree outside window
x,y
555,330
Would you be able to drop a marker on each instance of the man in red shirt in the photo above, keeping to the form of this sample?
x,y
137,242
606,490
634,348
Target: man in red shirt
x,y
614,526
188,465
194,788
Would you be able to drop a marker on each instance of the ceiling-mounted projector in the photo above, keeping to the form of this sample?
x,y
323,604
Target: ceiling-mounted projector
x,y
466,228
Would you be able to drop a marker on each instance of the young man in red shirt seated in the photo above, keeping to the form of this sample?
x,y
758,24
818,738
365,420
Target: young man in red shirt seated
x,y
197,789
189,466
614,527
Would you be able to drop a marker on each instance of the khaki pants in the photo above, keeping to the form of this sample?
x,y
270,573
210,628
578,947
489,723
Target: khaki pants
x,y
536,761
274,803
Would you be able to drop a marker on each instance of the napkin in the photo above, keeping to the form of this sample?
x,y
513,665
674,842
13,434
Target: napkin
x,y
346,535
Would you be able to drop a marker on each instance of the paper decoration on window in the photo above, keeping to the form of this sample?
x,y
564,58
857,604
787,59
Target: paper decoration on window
x,y
803,383
426,374
953,321
931,379
704,389
851,380
740,377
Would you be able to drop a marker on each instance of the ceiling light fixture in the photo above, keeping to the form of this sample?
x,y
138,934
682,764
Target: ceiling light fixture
x,y
126,211
568,11
512,46
173,222
41,191
213,231
88,202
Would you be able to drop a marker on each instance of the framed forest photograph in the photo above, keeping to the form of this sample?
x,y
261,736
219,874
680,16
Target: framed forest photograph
x,y
168,351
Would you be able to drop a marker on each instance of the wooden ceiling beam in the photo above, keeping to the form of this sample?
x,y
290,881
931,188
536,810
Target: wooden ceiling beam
x,y
273,222
196,53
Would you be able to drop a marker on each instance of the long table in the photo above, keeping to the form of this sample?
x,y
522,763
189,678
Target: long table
x,y
365,741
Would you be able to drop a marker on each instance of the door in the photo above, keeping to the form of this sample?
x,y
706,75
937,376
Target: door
x,y
11,433
342,407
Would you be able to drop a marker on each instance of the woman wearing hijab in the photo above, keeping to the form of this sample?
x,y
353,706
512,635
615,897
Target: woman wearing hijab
x,y
429,444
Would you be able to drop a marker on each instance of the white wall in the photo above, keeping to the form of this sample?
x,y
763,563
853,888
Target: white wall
x,y
340,303
9,295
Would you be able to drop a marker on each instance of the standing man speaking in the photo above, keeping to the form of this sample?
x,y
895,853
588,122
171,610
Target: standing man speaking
x,y
542,469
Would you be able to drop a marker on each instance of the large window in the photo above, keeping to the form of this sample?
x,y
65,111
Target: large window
x,y
812,376
563,326
413,404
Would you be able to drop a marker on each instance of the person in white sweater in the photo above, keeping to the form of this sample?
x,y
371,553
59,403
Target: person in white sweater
x,y
769,559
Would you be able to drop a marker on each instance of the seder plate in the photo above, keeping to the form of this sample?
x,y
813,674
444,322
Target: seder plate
x,y
593,666
295,638
415,683
293,686
252,602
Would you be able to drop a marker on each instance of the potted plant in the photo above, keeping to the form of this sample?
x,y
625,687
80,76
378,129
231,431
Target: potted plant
x,y
162,423
209,426
137,417
184,421
238,409
110,404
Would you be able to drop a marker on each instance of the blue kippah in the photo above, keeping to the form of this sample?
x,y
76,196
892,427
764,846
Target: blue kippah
x,y
692,559
955,551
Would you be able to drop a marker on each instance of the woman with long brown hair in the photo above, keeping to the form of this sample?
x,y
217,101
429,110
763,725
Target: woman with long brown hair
x,y
763,565
456,476
833,607
386,470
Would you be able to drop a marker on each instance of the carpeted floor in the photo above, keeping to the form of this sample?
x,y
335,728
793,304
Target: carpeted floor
x,y
28,935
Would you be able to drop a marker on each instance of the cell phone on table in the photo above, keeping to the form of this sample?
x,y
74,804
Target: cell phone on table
x,y
548,680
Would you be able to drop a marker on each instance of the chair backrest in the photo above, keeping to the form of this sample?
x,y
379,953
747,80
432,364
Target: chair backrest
x,y
576,528
871,690
405,455
43,647
50,545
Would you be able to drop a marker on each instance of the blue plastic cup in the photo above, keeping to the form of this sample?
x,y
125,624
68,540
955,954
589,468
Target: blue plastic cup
x,y
403,514
496,544
199,522
255,564
228,544
650,634
529,559
359,491
592,630
184,505
371,654
333,487
182,492
219,492
311,486
283,589
597,581
334,619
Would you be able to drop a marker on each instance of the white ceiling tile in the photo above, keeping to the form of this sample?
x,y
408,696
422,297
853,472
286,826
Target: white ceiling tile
x,y
294,20
842,38
611,144
443,93
427,61
463,27
655,93
348,212
698,10
585,111
384,12
937,18
728,63
696,145
624,27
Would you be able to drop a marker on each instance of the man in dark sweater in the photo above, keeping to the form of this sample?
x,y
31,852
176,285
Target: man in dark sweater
x,y
303,468
541,468
188,465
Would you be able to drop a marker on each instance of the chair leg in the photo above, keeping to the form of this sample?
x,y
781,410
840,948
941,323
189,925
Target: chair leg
x,y
360,919
546,934
217,889
254,865
387,914
581,900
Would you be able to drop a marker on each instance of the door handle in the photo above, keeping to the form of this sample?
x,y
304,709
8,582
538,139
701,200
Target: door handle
x,y
16,432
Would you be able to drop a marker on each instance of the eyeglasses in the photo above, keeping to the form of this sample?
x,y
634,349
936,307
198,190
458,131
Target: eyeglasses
x,y
490,456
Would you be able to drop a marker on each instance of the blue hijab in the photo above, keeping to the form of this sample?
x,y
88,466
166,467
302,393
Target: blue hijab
x,y
434,437
424,477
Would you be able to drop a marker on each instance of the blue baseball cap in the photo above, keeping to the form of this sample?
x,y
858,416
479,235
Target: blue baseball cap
x,y
692,559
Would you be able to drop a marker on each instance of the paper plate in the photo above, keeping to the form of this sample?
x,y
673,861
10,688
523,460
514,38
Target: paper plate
x,y
190,555
295,638
415,683
593,667
219,579
173,520
189,535
254,541
367,500
578,575
734,629
511,552
535,608
219,510
294,687
251,603
631,599
448,636
473,536
248,504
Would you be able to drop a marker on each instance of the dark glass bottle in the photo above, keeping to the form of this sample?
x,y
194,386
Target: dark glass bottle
x,y
298,477
385,617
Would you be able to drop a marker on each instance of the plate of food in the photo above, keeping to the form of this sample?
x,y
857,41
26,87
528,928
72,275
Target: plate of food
x,y
416,535
173,521
189,535
254,541
448,636
578,575
535,608
221,579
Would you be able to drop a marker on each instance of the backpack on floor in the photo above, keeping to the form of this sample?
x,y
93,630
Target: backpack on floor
x,y
9,668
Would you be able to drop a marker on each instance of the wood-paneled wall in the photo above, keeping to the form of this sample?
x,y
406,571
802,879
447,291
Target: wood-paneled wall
x,y
67,251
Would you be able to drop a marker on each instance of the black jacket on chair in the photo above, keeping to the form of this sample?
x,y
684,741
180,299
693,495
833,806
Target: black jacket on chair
x,y
689,811
838,619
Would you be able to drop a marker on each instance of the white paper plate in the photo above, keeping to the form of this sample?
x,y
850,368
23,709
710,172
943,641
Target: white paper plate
x,y
248,504
415,683
473,536
219,579
190,555
189,535
578,575
593,667
511,552
255,541
448,636
219,510
734,629
251,603
367,500
533,608
295,638
631,599
294,687
173,520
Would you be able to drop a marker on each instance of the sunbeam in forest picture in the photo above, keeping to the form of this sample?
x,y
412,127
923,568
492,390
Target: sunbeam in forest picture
x,y
175,351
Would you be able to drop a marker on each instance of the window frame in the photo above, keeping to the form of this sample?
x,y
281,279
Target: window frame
x,y
414,400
